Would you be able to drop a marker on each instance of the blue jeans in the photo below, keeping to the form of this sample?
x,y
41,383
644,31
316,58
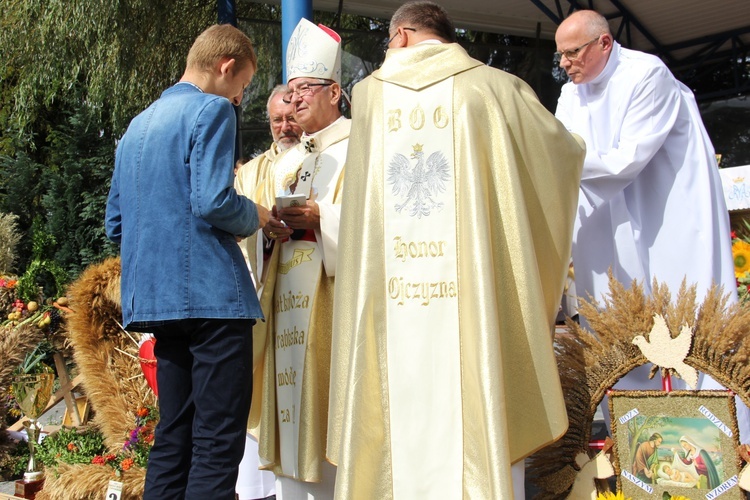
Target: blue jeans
x,y
204,377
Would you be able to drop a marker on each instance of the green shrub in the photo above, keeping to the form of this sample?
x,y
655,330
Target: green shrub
x,y
71,446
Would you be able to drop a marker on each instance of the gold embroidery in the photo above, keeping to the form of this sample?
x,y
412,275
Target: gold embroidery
x,y
400,290
416,118
394,120
300,256
417,249
440,118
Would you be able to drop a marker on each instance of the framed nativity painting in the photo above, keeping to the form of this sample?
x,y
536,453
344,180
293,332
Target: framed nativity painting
x,y
683,443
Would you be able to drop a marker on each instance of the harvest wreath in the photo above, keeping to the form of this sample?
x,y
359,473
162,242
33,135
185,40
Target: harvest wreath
x,y
591,362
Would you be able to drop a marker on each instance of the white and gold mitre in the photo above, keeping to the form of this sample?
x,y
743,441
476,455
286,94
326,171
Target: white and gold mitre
x,y
313,52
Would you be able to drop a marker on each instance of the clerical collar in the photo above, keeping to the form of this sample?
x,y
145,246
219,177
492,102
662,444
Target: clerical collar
x,y
430,41
609,68
192,85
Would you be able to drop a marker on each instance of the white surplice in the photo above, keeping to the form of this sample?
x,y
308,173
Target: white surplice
x,y
651,203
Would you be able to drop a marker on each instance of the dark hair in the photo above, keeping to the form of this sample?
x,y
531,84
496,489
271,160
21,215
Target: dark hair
x,y
655,436
426,16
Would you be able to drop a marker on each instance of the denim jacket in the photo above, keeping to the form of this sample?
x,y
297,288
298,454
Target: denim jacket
x,y
174,212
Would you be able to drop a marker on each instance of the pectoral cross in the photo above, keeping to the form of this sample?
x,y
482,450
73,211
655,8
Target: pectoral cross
x,y
310,145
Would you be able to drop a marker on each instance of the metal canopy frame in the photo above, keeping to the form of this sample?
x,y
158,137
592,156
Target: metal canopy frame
x,y
705,55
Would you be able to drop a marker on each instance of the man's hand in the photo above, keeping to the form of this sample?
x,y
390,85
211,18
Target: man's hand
x,y
276,229
263,215
305,217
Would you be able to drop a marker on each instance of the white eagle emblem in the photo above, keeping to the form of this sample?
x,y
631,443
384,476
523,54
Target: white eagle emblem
x,y
420,183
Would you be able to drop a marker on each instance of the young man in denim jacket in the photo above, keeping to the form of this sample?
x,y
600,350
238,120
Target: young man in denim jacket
x,y
176,216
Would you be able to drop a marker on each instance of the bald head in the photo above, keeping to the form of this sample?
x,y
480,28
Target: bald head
x,y
584,43
588,22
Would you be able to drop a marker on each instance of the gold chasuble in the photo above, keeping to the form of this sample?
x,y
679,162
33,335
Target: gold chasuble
x,y
292,348
248,177
455,240
253,172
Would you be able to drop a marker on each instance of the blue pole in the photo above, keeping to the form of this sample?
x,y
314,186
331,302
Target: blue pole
x,y
291,12
227,12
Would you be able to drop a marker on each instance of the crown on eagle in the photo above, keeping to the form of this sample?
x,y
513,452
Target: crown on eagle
x,y
417,148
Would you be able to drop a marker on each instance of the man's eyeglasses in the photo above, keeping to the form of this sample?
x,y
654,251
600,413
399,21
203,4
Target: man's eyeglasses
x,y
394,36
572,54
303,90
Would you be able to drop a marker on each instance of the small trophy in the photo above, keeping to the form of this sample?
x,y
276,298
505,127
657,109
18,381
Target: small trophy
x,y
32,392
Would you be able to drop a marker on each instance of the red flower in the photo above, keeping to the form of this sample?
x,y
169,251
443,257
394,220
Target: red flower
x,y
98,460
143,412
734,234
110,457
148,438
126,464
71,446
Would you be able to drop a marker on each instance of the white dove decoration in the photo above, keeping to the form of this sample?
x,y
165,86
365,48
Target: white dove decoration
x,y
667,352
598,467
744,479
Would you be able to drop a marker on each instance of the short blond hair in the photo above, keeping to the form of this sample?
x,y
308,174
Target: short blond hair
x,y
221,41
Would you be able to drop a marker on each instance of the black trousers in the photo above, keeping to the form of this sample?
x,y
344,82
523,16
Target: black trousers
x,y
204,377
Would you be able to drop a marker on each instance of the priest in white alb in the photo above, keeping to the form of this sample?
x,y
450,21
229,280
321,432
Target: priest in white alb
x,y
651,202
455,240
651,205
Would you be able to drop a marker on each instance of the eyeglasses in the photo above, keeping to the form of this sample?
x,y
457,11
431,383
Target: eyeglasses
x,y
394,37
303,90
572,54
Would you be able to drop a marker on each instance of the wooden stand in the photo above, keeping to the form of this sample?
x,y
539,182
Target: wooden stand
x,y
70,402
67,386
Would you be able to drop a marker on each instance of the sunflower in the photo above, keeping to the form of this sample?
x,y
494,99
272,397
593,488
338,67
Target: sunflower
x,y
741,255
608,495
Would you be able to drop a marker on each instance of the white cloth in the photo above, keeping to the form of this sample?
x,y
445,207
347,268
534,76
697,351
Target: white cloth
x,y
651,203
291,489
253,483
